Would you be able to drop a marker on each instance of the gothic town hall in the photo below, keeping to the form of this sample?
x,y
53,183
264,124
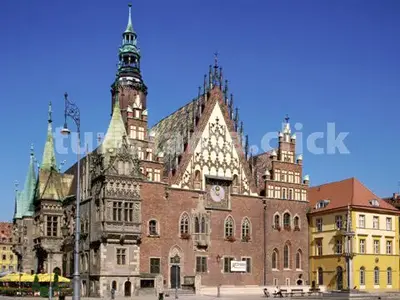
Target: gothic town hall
x,y
168,206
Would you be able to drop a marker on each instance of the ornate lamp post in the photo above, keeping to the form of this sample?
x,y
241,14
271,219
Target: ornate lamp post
x,y
176,260
219,285
72,111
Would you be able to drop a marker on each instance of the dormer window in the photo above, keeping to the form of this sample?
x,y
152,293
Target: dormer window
x,y
374,202
322,204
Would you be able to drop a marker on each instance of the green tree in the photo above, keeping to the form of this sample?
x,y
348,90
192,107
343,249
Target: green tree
x,y
55,283
36,284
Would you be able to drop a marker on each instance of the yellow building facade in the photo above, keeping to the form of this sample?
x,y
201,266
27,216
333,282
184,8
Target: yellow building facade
x,y
353,245
8,260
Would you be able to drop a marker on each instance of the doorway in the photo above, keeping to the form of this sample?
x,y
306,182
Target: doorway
x,y
339,278
175,277
127,288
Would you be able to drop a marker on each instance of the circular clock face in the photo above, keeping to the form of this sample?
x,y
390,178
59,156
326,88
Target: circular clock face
x,y
217,193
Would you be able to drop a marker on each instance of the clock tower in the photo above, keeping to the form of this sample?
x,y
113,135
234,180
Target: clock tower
x,y
129,87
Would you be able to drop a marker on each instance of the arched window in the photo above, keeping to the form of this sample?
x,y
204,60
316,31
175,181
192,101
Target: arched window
x,y
286,220
229,227
196,225
296,222
362,276
389,276
298,259
275,259
277,221
376,276
203,225
320,276
246,229
184,223
114,285
153,227
286,253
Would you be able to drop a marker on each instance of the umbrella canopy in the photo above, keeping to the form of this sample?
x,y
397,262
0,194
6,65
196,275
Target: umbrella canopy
x,y
50,277
17,277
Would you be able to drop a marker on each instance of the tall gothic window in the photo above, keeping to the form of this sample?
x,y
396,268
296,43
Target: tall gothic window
x,y
184,224
200,224
52,225
286,220
275,259
277,222
229,224
286,253
245,229
298,259
296,221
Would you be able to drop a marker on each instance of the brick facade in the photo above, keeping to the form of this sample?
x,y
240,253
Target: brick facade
x,y
184,189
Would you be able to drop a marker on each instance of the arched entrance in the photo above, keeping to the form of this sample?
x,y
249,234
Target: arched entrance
x,y
339,278
127,288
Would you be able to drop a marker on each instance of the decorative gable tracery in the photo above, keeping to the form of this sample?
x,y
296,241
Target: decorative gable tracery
x,y
216,154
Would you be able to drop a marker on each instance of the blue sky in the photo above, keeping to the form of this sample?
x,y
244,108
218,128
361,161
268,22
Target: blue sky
x,y
318,61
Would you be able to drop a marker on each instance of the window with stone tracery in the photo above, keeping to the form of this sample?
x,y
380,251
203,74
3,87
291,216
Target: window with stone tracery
x,y
184,224
245,229
200,224
229,225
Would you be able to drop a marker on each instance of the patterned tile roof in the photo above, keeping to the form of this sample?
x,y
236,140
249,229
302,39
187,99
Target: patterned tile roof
x,y
172,127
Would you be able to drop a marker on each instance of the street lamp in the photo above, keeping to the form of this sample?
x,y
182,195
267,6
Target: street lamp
x,y
219,285
176,260
50,257
72,111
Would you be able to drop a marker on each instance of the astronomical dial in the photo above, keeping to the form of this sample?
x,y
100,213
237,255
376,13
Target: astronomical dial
x,y
217,193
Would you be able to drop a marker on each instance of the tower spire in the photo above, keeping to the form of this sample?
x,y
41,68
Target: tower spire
x,y
25,198
129,55
49,156
129,27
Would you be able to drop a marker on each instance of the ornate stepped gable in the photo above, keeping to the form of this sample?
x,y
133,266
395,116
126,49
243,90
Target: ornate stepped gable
x,y
204,139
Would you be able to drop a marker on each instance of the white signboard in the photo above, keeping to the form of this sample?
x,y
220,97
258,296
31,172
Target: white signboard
x,y
238,266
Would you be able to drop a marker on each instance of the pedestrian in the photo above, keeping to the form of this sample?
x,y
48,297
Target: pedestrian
x,y
278,292
112,293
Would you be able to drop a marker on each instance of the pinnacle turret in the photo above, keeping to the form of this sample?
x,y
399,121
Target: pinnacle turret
x,y
49,157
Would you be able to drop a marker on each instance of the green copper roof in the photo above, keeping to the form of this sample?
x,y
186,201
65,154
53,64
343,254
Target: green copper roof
x,y
24,198
49,156
116,130
17,209
129,27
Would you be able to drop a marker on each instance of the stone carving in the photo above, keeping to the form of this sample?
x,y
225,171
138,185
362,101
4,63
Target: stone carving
x,y
217,152
122,188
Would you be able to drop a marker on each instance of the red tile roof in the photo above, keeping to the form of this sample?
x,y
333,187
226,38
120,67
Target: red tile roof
x,y
343,193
